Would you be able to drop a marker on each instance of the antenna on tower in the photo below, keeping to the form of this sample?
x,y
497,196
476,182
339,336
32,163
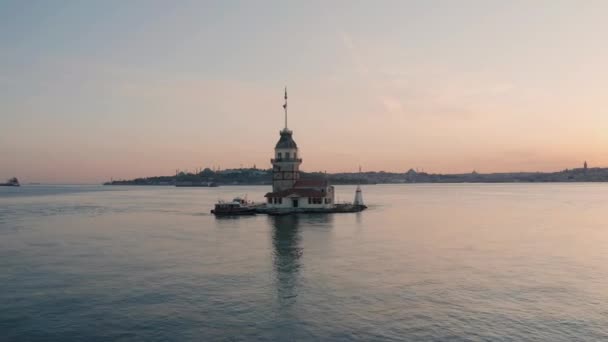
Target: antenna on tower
x,y
285,108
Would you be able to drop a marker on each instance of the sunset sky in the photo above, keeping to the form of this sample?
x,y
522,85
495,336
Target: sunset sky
x,y
93,90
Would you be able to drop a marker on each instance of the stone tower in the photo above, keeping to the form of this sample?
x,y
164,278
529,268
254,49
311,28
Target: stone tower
x,y
286,162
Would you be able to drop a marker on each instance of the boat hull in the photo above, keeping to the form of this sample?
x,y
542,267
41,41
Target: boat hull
x,y
234,212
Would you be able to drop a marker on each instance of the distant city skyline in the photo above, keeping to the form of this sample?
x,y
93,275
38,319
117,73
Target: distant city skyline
x,y
96,90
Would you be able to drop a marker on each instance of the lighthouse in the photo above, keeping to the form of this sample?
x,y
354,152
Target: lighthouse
x,y
289,192
286,162
358,194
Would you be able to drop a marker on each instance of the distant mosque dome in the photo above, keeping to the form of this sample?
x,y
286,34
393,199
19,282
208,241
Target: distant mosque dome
x,y
286,141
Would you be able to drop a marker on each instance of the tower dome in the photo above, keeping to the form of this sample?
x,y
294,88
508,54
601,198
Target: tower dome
x,y
286,140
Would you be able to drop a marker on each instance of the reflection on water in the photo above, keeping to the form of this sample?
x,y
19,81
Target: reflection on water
x,y
287,252
424,262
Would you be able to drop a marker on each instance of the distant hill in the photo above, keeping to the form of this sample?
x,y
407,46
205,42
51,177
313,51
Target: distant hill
x,y
251,176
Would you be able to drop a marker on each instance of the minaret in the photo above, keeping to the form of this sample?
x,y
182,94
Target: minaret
x,y
285,164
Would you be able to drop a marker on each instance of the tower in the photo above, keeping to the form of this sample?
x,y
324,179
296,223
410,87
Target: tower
x,y
358,195
285,164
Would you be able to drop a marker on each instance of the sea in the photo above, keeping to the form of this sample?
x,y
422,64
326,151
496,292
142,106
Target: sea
x,y
425,262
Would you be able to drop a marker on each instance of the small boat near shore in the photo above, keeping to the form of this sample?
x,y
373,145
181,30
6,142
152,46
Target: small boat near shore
x,y
238,206
11,182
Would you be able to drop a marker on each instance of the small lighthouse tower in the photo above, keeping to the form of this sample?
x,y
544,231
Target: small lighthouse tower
x,y
358,194
285,164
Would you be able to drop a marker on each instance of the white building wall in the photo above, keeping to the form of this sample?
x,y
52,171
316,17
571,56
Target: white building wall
x,y
331,194
285,204
302,203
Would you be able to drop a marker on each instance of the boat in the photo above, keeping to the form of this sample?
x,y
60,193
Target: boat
x,y
11,182
238,206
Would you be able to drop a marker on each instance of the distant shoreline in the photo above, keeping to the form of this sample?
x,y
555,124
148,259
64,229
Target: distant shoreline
x,y
263,177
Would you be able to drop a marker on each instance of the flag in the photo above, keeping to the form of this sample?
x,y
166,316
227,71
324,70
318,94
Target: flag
x,y
285,105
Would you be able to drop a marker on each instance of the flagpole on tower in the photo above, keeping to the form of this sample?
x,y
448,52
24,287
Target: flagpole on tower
x,y
285,107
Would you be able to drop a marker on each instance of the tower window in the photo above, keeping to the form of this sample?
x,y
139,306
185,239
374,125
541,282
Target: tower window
x,y
279,156
286,155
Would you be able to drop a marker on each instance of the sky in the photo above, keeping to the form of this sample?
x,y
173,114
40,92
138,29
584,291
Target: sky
x,y
99,90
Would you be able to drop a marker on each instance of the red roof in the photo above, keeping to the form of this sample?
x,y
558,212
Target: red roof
x,y
311,183
297,192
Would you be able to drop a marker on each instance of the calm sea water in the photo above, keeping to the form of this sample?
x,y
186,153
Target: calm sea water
x,y
425,262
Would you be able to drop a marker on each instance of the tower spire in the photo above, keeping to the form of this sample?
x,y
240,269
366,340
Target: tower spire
x,y
285,108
